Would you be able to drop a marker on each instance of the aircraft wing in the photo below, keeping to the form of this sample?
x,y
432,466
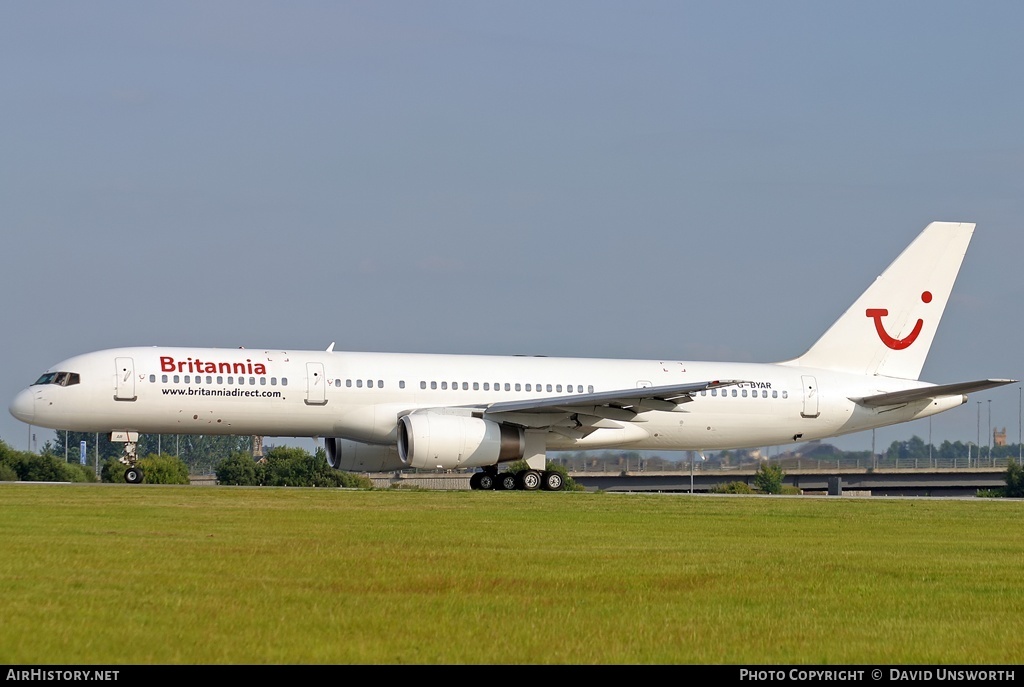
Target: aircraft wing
x,y
637,399
908,395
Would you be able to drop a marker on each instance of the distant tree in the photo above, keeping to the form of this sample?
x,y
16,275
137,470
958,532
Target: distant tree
x,y
31,467
768,479
240,469
287,467
732,488
1014,480
164,469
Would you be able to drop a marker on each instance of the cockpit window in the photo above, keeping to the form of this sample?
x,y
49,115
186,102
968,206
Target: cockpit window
x,y
61,378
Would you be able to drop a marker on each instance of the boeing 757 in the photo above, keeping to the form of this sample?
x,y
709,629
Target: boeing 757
x,y
392,411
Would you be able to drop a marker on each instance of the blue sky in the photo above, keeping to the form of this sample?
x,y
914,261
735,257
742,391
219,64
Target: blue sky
x,y
685,180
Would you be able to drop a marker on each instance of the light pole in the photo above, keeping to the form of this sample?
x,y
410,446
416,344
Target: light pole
x,y
691,471
978,444
990,460
930,442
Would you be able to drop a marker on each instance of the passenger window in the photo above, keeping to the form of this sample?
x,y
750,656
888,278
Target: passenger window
x,y
220,380
152,378
549,387
433,385
476,386
518,388
273,381
590,389
401,383
558,388
163,379
487,386
444,385
528,388
359,384
231,380
734,393
465,386
507,387
744,393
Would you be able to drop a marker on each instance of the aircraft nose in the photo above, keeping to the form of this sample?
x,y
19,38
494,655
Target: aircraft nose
x,y
23,406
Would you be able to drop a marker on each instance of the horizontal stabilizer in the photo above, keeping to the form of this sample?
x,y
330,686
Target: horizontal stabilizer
x,y
920,393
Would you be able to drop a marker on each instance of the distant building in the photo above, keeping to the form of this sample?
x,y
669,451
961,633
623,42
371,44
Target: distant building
x,y
999,436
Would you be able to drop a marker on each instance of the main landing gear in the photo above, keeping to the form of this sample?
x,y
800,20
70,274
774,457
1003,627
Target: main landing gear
x,y
526,480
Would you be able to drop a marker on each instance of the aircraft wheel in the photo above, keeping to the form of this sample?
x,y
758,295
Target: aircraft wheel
x,y
474,481
133,476
507,482
529,479
486,481
553,481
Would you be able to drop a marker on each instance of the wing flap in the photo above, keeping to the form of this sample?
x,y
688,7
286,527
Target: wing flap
x,y
635,400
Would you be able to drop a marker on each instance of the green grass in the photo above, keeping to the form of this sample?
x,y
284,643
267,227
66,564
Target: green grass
x,y
116,574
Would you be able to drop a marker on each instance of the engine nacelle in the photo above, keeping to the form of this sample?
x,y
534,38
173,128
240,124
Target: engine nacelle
x,y
433,440
353,456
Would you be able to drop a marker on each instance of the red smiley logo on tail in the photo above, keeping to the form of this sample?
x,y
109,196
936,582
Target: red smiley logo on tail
x,y
896,344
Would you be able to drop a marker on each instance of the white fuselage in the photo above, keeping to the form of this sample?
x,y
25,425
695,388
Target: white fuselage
x,y
360,396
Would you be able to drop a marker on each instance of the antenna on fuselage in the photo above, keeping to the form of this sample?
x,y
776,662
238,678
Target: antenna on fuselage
x,y
330,349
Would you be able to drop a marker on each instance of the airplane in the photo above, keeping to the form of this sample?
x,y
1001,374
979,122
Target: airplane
x,y
392,411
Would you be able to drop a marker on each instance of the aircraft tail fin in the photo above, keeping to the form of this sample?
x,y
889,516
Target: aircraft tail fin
x,y
889,329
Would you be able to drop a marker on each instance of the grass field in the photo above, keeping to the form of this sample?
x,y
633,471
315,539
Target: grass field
x,y
119,574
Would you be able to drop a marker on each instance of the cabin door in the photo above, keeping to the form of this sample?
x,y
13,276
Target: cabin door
x,y
316,385
124,388
810,397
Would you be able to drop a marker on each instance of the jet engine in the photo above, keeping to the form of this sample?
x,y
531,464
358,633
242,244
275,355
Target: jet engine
x,y
353,456
433,440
